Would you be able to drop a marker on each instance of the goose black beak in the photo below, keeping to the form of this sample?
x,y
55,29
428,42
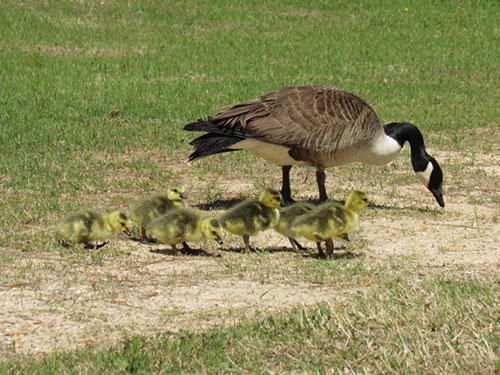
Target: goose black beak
x,y
183,196
219,240
438,194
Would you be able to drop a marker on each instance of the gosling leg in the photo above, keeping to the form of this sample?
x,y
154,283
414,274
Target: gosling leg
x,y
321,253
320,179
174,247
246,239
297,247
286,193
329,247
144,237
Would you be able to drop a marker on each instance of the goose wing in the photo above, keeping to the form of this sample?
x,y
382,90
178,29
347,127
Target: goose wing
x,y
308,119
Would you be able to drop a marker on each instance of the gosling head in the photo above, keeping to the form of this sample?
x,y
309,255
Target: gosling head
x,y
120,222
210,228
430,174
270,198
175,193
356,201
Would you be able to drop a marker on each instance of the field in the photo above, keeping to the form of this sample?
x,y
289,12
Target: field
x,y
93,97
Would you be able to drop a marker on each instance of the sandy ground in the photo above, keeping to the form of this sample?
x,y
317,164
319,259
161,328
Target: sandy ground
x,y
67,300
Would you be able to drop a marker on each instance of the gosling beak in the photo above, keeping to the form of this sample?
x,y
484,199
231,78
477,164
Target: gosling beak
x,y
345,237
183,196
128,231
438,194
219,240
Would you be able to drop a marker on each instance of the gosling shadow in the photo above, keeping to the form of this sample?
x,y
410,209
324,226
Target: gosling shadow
x,y
376,206
218,204
335,255
185,252
269,250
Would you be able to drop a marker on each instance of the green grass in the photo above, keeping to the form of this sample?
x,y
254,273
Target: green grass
x,y
433,325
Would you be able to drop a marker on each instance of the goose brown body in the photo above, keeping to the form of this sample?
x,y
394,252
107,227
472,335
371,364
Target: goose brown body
x,y
319,126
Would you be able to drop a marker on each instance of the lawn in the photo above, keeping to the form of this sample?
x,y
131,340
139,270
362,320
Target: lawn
x,y
93,97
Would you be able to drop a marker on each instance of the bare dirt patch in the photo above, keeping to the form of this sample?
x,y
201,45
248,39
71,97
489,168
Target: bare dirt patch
x,y
66,299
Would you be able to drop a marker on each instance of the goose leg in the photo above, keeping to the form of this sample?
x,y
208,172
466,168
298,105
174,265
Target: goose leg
x,y
320,178
286,193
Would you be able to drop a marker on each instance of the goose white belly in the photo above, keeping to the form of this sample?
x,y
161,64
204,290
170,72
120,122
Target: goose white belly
x,y
381,150
271,152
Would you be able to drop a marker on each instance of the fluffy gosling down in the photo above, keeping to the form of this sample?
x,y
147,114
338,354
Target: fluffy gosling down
x,y
253,216
153,207
184,225
330,220
287,216
89,226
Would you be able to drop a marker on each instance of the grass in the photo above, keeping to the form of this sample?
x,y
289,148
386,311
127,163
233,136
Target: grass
x,y
93,97
431,325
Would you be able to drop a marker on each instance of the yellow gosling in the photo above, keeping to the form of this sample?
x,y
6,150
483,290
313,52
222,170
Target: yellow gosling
x,y
287,216
184,225
330,220
250,217
155,206
89,226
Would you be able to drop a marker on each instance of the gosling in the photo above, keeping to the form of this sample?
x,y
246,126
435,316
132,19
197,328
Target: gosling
x,y
330,220
183,225
287,216
155,206
251,217
88,226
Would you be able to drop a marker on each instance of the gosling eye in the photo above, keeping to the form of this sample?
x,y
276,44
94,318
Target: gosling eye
x,y
175,190
123,224
214,232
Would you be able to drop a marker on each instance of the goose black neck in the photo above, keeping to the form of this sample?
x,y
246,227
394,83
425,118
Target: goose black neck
x,y
405,132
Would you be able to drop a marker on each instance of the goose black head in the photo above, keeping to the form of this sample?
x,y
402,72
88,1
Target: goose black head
x,y
431,175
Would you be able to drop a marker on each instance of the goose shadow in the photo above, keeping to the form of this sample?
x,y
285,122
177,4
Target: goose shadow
x,y
190,252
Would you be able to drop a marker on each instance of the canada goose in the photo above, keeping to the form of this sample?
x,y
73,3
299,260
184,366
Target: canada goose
x,y
329,220
153,207
182,225
89,226
287,216
318,126
253,216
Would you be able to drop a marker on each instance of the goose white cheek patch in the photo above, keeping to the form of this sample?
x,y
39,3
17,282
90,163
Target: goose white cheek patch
x,y
425,176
